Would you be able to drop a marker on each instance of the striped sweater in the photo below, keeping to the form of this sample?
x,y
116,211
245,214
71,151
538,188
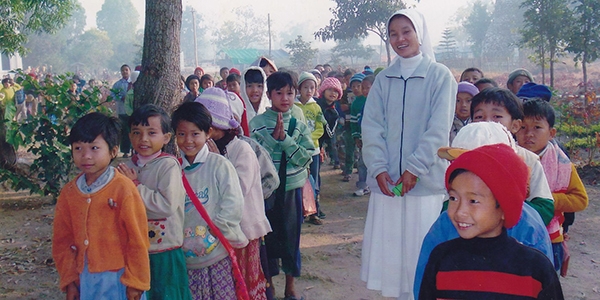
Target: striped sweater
x,y
297,146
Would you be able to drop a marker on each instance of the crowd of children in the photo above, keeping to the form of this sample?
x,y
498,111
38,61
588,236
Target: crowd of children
x,y
222,220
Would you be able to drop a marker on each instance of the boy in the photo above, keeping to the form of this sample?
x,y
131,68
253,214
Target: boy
x,y
517,78
462,113
537,135
291,148
100,242
157,176
356,111
350,144
485,263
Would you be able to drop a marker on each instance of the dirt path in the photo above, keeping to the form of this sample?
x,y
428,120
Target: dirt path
x,y
330,253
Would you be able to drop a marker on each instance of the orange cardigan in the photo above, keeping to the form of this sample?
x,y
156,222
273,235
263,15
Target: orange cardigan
x,y
112,237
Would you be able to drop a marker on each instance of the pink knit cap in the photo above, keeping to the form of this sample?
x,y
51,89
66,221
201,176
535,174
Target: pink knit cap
x,y
331,83
217,103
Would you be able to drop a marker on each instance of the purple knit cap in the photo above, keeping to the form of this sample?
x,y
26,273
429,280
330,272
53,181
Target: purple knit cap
x,y
467,87
217,103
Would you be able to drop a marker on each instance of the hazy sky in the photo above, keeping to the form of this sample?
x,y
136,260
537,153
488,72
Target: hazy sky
x,y
309,15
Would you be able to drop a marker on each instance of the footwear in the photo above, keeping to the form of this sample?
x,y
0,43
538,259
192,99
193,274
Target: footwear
x,y
321,215
362,192
293,298
315,221
347,178
336,167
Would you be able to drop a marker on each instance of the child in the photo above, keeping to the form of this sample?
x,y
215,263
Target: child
x,y
307,84
233,84
254,222
462,114
254,92
355,84
485,83
214,180
157,176
471,75
121,87
100,242
193,84
291,149
224,72
537,135
330,91
206,81
485,262
517,78
357,110
267,65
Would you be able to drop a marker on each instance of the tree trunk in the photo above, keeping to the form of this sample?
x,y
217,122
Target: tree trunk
x,y
158,82
387,51
552,54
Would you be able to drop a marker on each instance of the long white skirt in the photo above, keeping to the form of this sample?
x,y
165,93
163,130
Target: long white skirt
x,y
394,231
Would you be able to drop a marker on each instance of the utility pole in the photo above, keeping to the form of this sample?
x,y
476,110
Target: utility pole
x,y
195,43
269,25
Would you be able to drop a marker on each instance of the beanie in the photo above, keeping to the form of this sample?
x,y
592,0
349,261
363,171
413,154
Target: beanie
x,y
532,90
467,87
190,78
504,173
368,70
199,69
317,73
331,83
518,72
379,69
304,76
357,77
235,71
217,103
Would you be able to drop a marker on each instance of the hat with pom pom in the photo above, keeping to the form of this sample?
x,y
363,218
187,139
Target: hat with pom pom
x,y
217,102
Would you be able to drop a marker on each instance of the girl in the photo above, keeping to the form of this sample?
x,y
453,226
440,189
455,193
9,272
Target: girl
x,y
254,222
193,85
206,81
462,113
100,237
254,92
407,118
215,182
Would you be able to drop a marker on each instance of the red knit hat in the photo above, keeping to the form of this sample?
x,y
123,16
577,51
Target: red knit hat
x,y
235,71
503,171
331,83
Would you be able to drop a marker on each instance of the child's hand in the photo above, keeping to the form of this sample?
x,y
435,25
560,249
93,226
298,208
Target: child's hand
x,y
127,171
358,143
279,131
212,146
72,291
133,294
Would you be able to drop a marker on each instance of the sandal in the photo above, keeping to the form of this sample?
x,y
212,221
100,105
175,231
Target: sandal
x,y
347,178
315,220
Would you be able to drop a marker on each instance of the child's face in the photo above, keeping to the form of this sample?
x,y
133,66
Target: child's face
x,y
463,105
207,83
471,76
473,208
331,95
268,70
490,112
535,134
483,86
147,140
355,87
365,87
307,89
194,85
233,86
93,158
224,73
516,85
190,139
282,99
125,72
254,91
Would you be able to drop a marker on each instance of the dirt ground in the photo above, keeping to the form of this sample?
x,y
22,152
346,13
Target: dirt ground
x,y
330,253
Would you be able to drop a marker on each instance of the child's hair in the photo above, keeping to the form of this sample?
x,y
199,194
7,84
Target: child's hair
x,y
5,80
279,80
234,77
193,112
501,97
144,112
125,66
90,126
539,109
349,72
472,69
189,79
486,81
206,77
369,78
223,69
254,76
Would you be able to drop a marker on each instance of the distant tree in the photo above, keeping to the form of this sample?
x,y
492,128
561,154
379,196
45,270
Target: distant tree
x,y
448,44
187,36
503,35
20,18
120,19
247,31
544,31
583,37
93,49
356,19
352,49
301,53
476,25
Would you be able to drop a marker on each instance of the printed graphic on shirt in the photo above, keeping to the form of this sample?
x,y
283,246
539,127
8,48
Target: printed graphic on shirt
x,y
198,241
202,196
156,230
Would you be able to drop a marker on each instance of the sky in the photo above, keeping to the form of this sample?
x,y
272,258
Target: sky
x,y
305,16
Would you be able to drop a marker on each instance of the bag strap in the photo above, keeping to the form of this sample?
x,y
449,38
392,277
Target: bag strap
x,y
240,284
280,192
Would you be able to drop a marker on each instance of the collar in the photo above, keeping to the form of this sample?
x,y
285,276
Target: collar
x,y
200,157
395,70
311,100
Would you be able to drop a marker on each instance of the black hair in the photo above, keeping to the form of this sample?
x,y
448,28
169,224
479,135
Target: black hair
x,y
334,74
223,68
369,78
206,77
263,62
5,80
349,72
254,76
319,65
486,81
279,80
472,69
502,97
193,112
95,124
189,79
144,112
326,65
125,66
234,77
455,174
539,109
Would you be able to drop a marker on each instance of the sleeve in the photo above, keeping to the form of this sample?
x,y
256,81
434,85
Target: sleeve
x,y
319,123
551,288
354,127
575,198
62,240
163,202
374,127
135,224
262,135
438,126
229,214
299,150
540,196
544,207
247,168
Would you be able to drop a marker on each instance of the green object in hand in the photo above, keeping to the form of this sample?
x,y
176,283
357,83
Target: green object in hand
x,y
397,190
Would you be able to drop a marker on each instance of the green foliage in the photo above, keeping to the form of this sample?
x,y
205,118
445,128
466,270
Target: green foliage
x,y
19,18
352,49
585,29
247,31
301,53
448,44
46,136
119,19
476,25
